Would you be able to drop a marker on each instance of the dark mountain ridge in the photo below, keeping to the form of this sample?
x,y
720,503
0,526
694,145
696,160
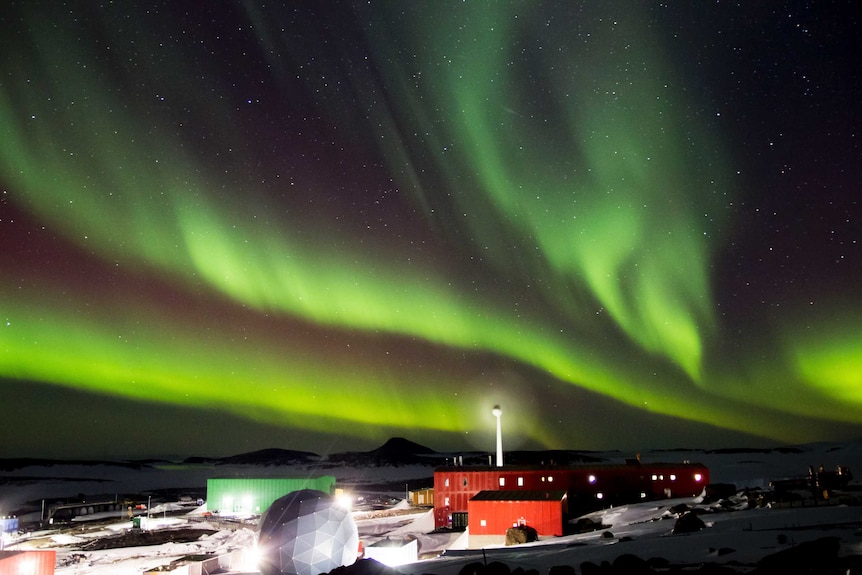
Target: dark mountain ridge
x,y
395,452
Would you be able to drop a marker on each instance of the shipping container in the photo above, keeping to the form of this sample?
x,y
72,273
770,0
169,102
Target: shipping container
x,y
254,495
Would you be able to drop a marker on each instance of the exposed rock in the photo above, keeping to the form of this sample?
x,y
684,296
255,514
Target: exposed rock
x,y
629,564
585,525
716,491
680,508
688,523
521,534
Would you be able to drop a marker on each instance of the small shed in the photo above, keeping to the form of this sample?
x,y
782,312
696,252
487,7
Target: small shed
x,y
422,497
8,524
494,512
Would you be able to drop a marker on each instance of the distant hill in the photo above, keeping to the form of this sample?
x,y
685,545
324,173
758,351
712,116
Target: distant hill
x,y
266,457
12,464
549,457
395,452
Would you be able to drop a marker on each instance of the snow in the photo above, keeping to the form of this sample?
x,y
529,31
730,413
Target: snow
x,y
732,534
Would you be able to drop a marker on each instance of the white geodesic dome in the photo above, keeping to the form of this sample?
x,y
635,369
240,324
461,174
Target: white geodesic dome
x,y
306,533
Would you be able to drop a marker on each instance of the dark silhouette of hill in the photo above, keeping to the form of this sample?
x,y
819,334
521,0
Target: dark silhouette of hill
x,y
744,450
395,452
549,457
12,464
266,457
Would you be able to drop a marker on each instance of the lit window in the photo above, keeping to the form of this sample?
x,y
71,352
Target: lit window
x,y
672,477
550,478
446,502
600,495
520,482
654,477
643,494
446,482
591,478
543,479
698,477
483,523
502,481
661,477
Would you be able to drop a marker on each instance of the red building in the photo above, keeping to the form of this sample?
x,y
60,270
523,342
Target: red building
x,y
586,487
493,512
27,562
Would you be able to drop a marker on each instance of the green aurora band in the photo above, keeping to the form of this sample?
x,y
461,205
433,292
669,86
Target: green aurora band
x,y
605,213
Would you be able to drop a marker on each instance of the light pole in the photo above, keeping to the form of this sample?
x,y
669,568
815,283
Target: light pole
x,y
497,413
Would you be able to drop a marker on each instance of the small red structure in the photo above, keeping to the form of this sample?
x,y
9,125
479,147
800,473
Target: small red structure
x,y
493,512
29,562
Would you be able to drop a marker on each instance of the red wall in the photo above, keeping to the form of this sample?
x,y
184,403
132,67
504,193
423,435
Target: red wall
x,y
623,480
546,517
29,562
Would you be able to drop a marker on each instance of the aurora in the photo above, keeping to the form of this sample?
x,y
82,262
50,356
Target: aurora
x,y
385,219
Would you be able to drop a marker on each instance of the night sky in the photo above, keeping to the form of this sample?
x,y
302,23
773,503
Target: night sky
x,y
226,226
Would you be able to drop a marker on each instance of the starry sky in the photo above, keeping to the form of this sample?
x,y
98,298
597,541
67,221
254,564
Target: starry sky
x,y
236,225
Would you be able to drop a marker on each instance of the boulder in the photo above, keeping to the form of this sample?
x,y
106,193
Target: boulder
x,y
688,523
521,534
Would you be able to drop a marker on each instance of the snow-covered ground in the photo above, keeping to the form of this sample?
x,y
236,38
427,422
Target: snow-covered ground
x,y
739,537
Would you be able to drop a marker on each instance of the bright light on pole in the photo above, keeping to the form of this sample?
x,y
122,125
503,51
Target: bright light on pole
x,y
497,412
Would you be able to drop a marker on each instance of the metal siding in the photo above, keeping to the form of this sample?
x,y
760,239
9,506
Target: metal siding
x,y
617,482
544,516
29,562
262,491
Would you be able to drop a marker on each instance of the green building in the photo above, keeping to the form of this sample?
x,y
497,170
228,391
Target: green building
x,y
253,495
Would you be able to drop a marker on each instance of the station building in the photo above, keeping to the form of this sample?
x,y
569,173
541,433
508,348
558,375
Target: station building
x,y
492,499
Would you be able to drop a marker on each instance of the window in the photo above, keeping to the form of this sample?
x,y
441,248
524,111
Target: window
x,y
502,481
465,482
698,477
446,482
550,478
483,523
520,482
591,478
446,502
654,477
672,477
600,495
